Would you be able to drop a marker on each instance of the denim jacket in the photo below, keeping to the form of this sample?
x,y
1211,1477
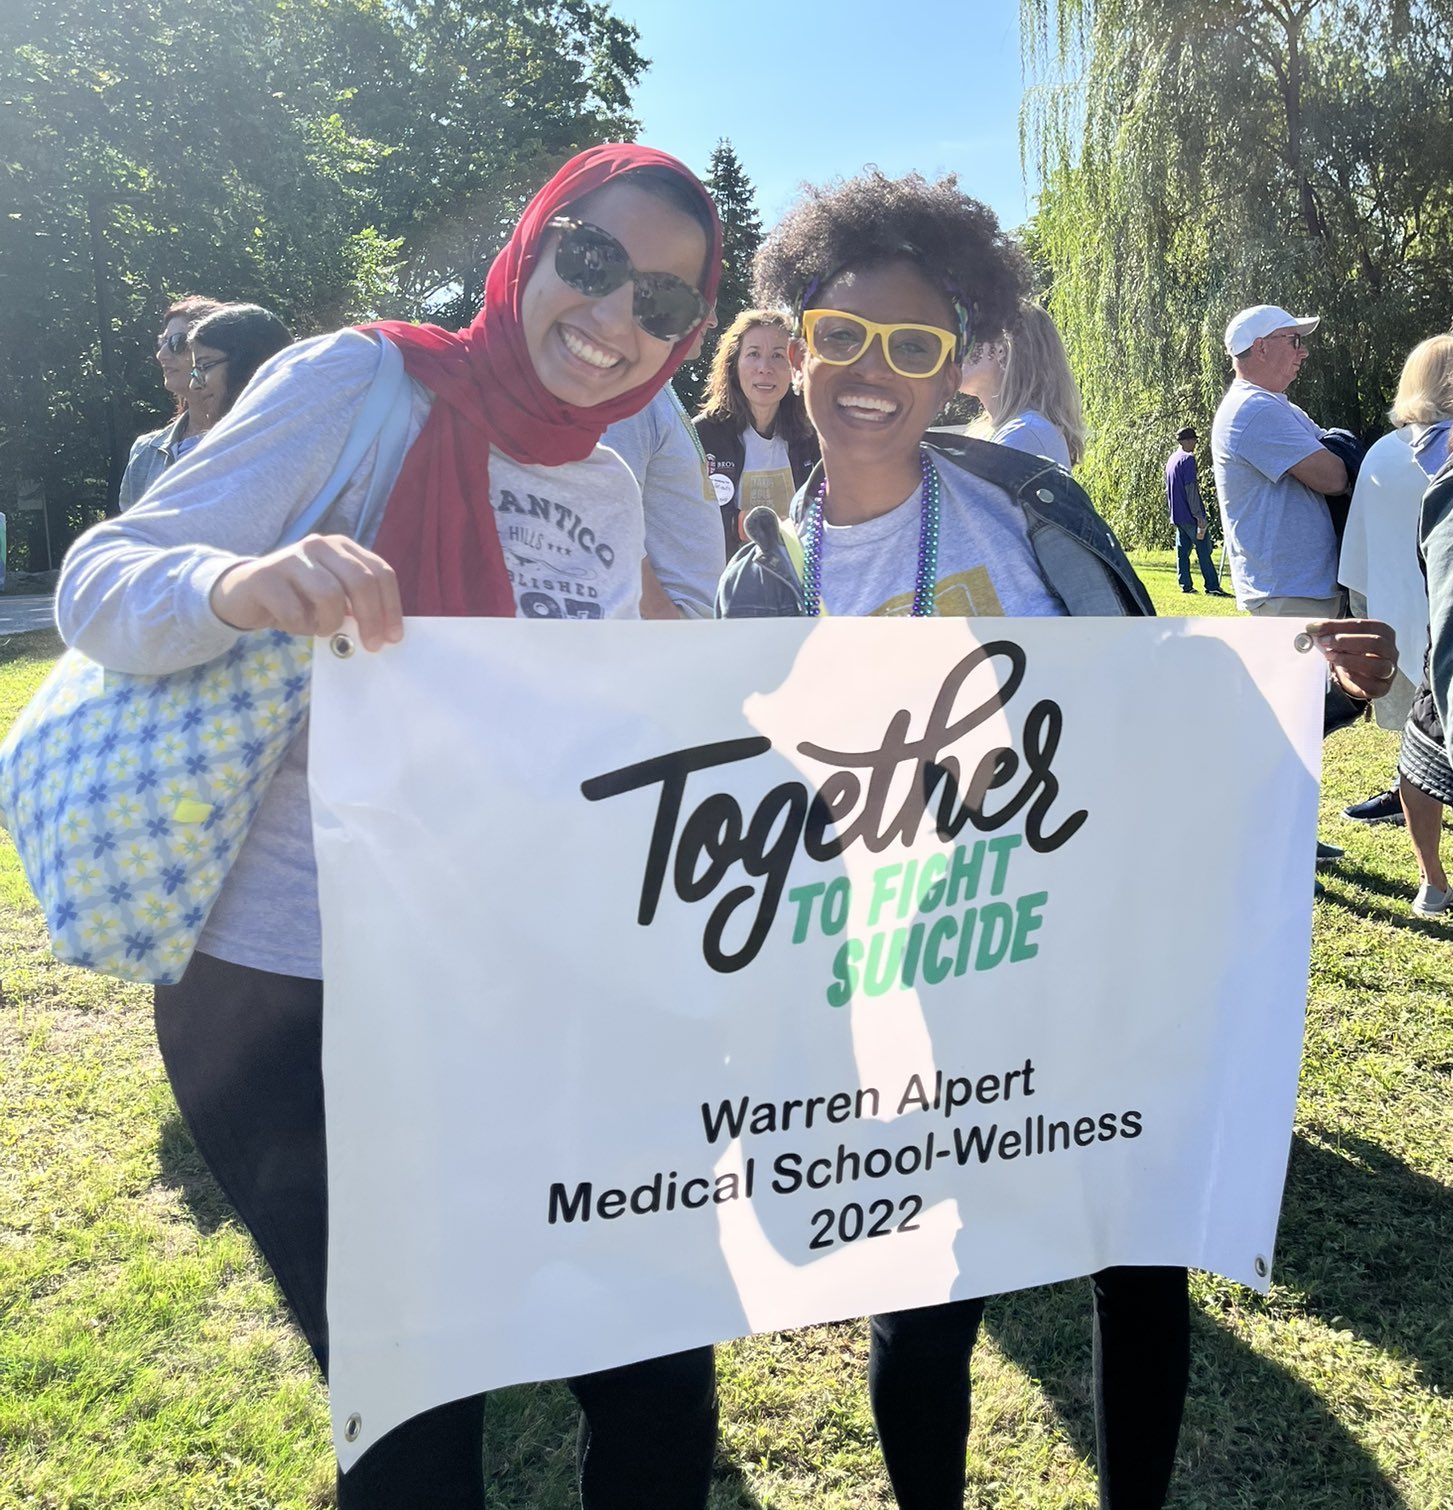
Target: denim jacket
x,y
1078,555
151,455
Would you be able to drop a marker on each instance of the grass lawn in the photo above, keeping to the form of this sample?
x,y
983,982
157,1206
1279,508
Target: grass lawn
x,y
145,1361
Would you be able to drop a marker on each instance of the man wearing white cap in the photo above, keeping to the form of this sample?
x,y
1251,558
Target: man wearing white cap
x,y
1273,473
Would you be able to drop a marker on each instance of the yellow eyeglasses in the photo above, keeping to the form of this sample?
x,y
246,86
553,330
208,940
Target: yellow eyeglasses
x,y
913,351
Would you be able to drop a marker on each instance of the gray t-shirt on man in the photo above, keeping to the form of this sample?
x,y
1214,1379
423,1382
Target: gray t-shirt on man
x,y
1279,534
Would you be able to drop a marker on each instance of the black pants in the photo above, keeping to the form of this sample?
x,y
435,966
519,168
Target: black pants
x,y
918,1380
243,1051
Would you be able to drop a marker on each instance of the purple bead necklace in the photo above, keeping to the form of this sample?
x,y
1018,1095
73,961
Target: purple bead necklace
x,y
926,577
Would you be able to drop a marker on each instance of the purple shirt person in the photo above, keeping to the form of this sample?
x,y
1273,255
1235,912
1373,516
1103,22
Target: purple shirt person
x,y
1188,515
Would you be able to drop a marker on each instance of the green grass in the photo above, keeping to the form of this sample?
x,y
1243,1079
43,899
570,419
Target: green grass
x,y
145,1360
1157,570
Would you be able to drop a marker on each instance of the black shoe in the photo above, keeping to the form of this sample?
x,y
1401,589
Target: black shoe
x,y
1217,592
1328,854
1383,808
1188,589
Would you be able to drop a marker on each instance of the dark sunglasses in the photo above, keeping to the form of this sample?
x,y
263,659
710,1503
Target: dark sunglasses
x,y
176,343
595,264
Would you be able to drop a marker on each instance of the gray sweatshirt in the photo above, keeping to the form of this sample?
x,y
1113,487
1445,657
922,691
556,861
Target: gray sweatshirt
x,y
134,593
683,518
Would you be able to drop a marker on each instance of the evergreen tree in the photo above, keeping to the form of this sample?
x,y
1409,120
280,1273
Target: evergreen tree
x,y
741,230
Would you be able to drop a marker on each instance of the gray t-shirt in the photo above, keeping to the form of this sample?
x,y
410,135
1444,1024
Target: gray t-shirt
x,y
1032,432
1279,534
986,567
134,593
766,474
683,518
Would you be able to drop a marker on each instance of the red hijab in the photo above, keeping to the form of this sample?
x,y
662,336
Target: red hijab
x,y
438,531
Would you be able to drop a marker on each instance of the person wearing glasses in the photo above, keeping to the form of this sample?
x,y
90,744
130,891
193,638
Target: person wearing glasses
x,y
503,504
892,282
227,347
196,410
1273,474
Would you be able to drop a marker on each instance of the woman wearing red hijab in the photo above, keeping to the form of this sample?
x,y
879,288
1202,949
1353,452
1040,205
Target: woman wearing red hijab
x,y
588,310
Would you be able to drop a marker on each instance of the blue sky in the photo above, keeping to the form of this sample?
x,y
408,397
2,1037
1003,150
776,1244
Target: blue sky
x,y
816,89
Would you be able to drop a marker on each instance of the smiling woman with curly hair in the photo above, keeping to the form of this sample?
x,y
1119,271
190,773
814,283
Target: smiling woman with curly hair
x,y
892,281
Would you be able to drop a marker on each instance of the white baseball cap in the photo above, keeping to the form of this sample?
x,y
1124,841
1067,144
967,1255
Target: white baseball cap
x,y
1262,320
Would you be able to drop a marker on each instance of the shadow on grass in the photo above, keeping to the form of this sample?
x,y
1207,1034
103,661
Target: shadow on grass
x,y
40,644
1285,1447
1363,1247
1365,1241
1396,898
182,1170
529,1430
529,1453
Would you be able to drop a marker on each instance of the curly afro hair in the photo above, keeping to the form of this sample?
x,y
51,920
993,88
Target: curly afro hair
x,y
865,221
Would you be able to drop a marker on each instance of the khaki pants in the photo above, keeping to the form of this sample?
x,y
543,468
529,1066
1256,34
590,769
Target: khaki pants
x,y
1296,608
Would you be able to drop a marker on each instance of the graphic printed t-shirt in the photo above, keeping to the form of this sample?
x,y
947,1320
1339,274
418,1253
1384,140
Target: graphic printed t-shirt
x,y
766,474
986,567
573,536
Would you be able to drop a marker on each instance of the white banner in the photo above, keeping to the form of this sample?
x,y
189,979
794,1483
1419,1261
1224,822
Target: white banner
x,y
691,980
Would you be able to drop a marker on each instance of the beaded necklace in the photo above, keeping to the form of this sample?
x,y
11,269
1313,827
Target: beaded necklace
x,y
926,577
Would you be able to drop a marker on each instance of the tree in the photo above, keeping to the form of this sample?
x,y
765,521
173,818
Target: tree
x,y
741,229
741,235
1202,155
332,159
147,151
488,99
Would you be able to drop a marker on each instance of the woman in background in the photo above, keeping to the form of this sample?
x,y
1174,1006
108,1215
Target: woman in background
x,y
228,346
196,411
1382,569
1028,393
758,442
